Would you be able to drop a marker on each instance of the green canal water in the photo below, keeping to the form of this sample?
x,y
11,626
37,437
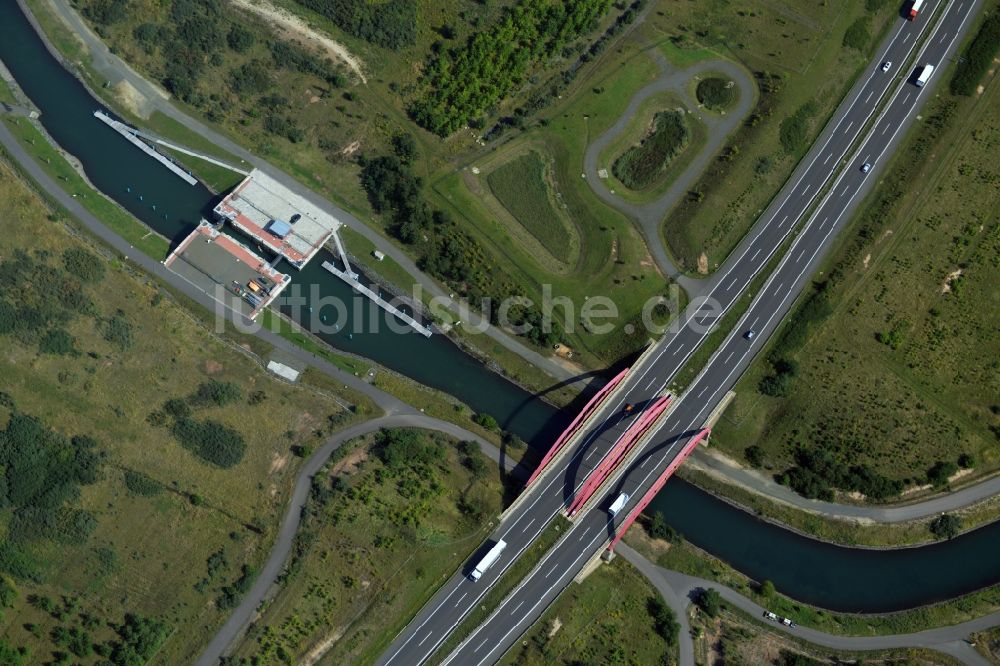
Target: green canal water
x,y
832,577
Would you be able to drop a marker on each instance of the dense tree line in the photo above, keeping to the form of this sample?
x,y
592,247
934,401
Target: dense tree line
x,y
978,57
818,472
544,94
388,23
446,251
463,82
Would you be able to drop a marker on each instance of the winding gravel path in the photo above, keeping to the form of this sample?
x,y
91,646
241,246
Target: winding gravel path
x,y
263,587
650,215
678,589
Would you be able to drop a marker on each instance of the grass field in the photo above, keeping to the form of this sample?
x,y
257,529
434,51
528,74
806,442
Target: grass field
x,y
379,535
147,553
521,185
108,211
898,368
801,45
606,619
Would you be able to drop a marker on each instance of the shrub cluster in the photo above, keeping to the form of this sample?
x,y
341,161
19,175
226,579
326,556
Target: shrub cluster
x,y
41,472
818,473
640,166
794,130
715,93
978,57
388,23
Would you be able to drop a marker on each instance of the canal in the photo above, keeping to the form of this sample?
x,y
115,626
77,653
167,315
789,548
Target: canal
x,y
832,577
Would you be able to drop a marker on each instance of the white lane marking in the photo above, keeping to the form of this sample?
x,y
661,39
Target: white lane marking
x,y
460,599
702,392
481,644
755,254
844,191
737,262
887,126
827,159
783,220
805,190
960,7
906,37
869,96
851,124
773,314
777,290
732,284
729,357
583,552
530,522
516,607
651,382
907,98
823,223
677,350
942,37
644,462
425,638
800,256
551,571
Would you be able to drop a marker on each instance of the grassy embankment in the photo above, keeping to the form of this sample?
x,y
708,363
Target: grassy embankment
x,y
801,46
613,617
112,351
741,639
901,333
845,532
390,518
686,558
218,179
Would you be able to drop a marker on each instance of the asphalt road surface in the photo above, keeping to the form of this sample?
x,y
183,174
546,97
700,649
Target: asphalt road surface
x,y
875,89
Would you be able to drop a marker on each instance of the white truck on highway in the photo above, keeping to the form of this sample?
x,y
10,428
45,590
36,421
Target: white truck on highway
x,y
618,504
925,74
915,8
488,560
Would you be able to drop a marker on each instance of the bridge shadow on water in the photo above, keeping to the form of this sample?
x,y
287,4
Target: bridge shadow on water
x,y
654,453
615,425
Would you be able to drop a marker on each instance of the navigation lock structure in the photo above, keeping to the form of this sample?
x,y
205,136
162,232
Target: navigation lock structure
x,y
353,518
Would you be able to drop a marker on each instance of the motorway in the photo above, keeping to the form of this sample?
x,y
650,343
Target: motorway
x,y
832,158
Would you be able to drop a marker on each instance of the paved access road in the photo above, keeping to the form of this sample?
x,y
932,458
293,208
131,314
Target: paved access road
x,y
590,531
678,590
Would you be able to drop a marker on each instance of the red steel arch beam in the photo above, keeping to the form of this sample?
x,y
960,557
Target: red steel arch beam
x,y
655,488
568,433
618,452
